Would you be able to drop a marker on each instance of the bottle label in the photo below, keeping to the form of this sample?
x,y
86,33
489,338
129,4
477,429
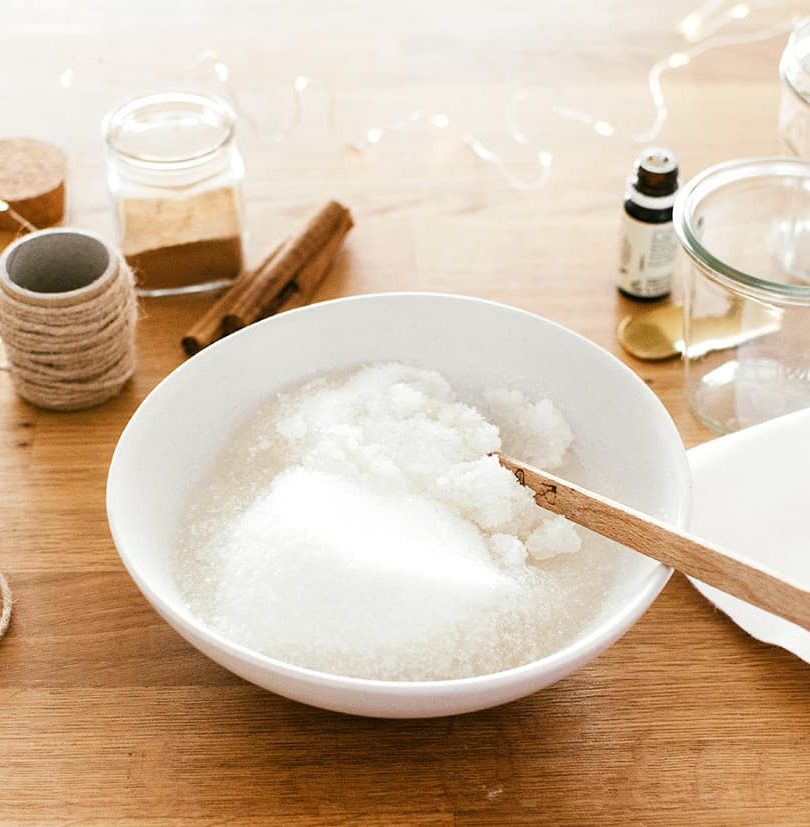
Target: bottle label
x,y
647,258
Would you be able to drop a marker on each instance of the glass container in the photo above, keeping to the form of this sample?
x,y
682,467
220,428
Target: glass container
x,y
175,179
736,221
794,110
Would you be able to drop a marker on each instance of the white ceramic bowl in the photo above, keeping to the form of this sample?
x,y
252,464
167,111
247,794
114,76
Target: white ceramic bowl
x,y
624,437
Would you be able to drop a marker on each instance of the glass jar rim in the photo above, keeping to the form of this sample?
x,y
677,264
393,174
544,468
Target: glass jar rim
x,y
116,118
716,178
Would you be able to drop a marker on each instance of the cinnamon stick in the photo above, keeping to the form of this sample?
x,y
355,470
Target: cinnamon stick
x,y
262,290
296,292
208,327
294,269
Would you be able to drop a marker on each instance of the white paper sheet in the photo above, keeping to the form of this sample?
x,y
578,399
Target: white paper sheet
x,y
752,494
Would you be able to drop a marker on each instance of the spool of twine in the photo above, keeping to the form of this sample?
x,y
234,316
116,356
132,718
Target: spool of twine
x,y
67,318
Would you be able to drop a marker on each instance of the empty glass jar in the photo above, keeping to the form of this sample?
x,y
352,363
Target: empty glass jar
x,y
746,293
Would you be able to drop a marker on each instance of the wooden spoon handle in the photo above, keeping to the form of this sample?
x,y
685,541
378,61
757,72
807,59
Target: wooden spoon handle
x,y
684,552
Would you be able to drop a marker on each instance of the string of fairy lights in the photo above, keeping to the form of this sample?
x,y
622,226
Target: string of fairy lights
x,y
706,29
714,25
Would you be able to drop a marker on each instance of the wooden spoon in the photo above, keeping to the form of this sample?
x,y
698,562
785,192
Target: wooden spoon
x,y
689,555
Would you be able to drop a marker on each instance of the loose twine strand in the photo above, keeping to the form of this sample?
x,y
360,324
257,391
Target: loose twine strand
x,y
71,352
5,611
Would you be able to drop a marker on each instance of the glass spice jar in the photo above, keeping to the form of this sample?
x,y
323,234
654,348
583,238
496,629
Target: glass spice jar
x,y
175,178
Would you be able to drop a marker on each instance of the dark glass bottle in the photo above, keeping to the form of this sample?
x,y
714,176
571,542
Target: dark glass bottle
x,y
649,245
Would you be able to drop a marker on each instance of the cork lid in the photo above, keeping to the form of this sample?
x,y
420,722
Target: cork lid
x,y
29,168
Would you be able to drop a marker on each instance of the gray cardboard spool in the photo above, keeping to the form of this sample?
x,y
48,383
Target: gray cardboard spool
x,y
60,266
68,314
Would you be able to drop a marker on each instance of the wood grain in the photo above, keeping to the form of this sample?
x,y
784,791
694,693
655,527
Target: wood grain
x,y
690,555
107,716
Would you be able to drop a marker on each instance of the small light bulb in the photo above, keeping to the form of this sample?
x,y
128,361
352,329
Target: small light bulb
x,y
690,27
221,70
3,205
739,12
677,59
66,78
373,135
301,83
603,128
440,120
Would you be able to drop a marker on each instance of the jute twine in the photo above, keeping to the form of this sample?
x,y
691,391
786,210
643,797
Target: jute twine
x,y
67,318
5,606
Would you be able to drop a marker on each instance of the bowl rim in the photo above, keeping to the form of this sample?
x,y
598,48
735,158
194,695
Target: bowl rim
x,y
578,651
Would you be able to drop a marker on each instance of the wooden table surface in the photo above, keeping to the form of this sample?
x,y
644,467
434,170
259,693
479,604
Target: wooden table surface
x,y
106,715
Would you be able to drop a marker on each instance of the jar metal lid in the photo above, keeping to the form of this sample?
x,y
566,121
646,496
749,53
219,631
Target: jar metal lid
x,y
169,129
714,179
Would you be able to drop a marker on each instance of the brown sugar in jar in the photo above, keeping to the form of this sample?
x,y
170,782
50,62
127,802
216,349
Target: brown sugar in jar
x,y
175,177
181,243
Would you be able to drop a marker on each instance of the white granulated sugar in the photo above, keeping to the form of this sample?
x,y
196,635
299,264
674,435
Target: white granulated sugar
x,y
533,431
357,525
553,537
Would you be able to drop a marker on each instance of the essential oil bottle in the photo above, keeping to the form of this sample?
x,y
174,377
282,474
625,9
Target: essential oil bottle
x,y
649,245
